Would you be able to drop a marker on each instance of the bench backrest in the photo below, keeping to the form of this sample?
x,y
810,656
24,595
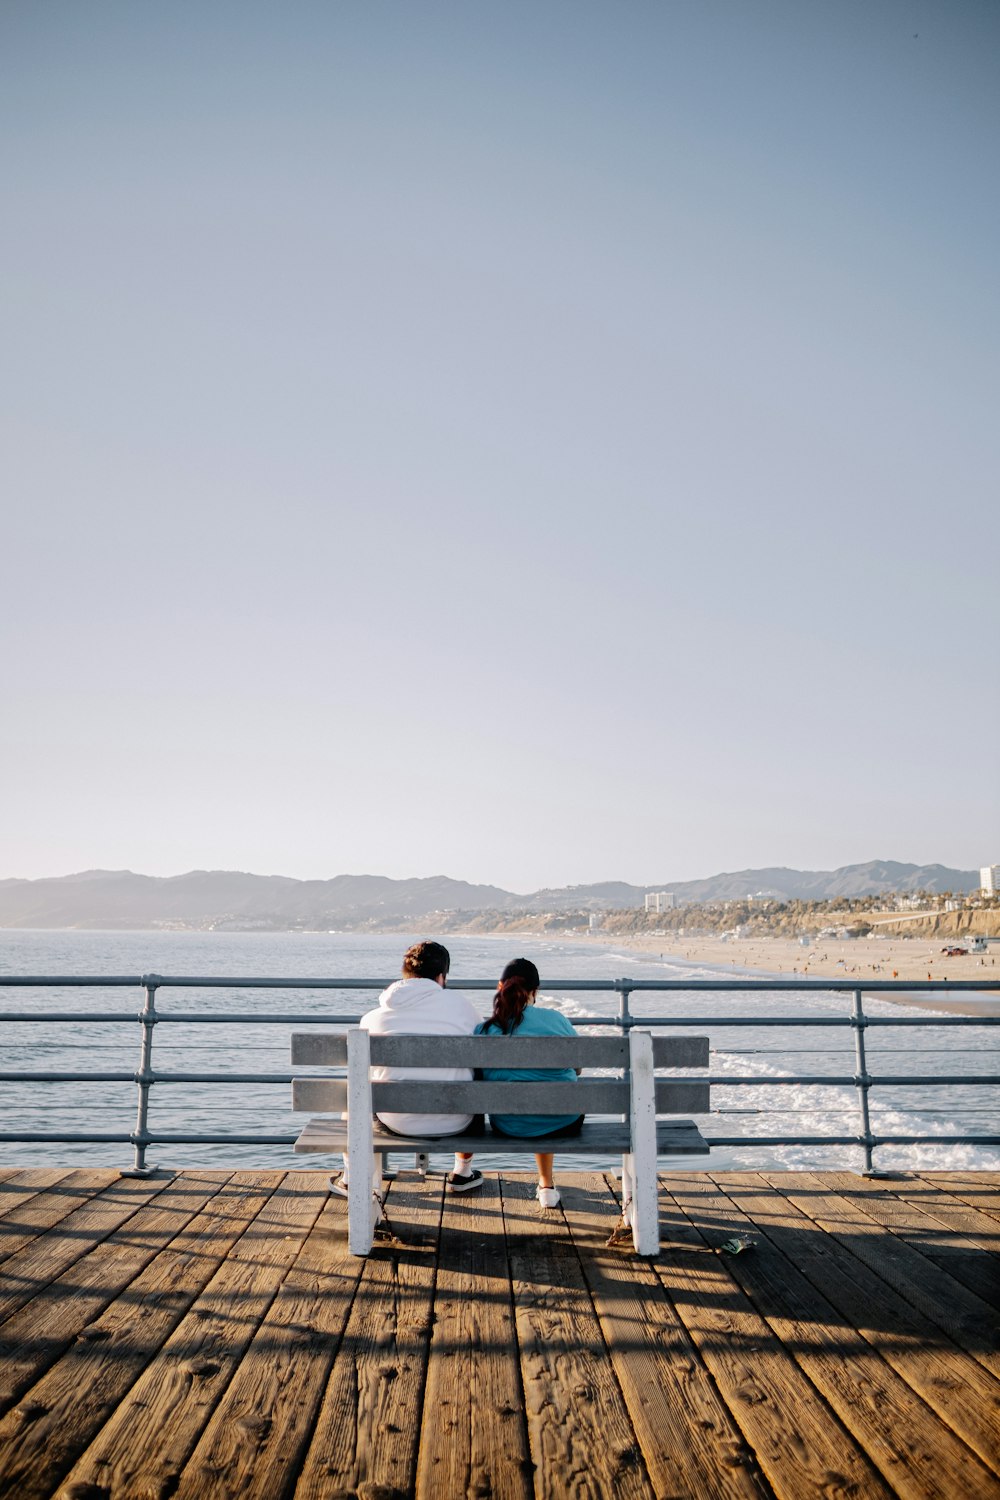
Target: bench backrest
x,y
585,1096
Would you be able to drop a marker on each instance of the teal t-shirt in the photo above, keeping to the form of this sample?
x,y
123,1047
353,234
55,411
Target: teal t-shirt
x,y
536,1021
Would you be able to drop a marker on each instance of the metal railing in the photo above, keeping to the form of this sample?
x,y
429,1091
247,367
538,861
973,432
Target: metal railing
x,y
149,1017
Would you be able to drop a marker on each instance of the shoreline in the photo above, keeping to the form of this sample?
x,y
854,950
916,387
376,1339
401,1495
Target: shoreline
x,y
851,960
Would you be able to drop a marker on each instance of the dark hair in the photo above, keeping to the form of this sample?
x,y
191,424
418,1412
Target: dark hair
x,y
518,982
426,961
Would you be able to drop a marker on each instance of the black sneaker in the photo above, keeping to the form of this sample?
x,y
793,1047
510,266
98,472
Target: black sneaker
x,y
455,1182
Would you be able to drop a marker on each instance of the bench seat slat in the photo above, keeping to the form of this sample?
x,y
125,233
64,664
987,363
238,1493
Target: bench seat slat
x,y
601,1096
329,1049
596,1138
587,1096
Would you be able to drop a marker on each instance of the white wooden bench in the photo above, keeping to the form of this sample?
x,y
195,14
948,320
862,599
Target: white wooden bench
x,y
636,1097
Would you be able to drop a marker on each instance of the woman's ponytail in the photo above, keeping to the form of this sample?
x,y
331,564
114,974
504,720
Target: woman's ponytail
x,y
518,984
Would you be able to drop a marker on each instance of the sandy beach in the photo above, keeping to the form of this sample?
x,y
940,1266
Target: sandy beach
x,y
861,958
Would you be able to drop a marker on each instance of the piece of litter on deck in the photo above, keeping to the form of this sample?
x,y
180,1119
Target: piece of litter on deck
x,y
737,1244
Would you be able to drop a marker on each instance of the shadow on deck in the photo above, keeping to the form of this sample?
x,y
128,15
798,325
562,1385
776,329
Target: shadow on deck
x,y
208,1334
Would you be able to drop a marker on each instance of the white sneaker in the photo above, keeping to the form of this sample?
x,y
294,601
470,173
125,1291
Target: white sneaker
x,y
548,1197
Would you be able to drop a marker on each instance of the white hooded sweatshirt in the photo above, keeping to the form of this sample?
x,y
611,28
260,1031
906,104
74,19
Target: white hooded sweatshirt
x,y
420,1007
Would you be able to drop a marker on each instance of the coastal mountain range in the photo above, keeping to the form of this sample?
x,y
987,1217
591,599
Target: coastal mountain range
x,y
236,901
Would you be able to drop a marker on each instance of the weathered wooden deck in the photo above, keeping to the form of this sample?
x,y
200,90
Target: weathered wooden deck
x,y
207,1334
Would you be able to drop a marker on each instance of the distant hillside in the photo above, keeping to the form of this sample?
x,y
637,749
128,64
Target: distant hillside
x,y
870,879
230,899
239,902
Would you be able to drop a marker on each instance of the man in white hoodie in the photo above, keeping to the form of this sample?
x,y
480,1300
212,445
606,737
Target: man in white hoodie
x,y
420,1004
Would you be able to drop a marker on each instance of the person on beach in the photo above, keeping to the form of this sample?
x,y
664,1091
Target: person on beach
x,y
516,1014
420,1004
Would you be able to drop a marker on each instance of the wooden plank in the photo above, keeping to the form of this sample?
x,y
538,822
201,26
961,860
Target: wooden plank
x,y
255,1440
680,1051
39,1211
975,1267
498,1051
680,1097
204,1307
980,1190
329,1049
916,1452
600,1096
34,1337
17,1185
801,1446
689,1441
980,1228
581,1436
314,1049
473,1440
961,1392
365,1438
50,1251
322,1135
967,1320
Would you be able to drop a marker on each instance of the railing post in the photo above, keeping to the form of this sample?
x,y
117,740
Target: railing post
x,y
144,1077
863,1078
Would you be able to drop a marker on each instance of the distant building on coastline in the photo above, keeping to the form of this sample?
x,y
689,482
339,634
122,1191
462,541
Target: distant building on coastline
x,y
660,901
989,880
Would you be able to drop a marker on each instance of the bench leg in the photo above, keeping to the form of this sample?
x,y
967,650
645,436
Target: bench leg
x,y
640,1208
362,1205
645,1214
645,1218
363,1211
628,1179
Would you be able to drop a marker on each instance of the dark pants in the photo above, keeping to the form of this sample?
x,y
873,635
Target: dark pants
x,y
573,1128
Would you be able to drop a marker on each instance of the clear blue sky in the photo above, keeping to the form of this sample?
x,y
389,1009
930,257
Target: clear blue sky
x,y
538,442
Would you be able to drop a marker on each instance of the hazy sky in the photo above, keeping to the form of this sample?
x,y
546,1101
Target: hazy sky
x,y
535,442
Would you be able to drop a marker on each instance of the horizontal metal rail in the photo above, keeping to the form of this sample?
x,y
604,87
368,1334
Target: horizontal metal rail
x,y
145,1078
606,986
716,1080
333,1018
159,1137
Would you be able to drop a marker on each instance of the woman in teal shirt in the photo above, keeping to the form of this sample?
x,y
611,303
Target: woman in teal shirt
x,y
516,1014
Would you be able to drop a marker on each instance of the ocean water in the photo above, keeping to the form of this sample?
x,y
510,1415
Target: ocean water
x,y
759,1051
